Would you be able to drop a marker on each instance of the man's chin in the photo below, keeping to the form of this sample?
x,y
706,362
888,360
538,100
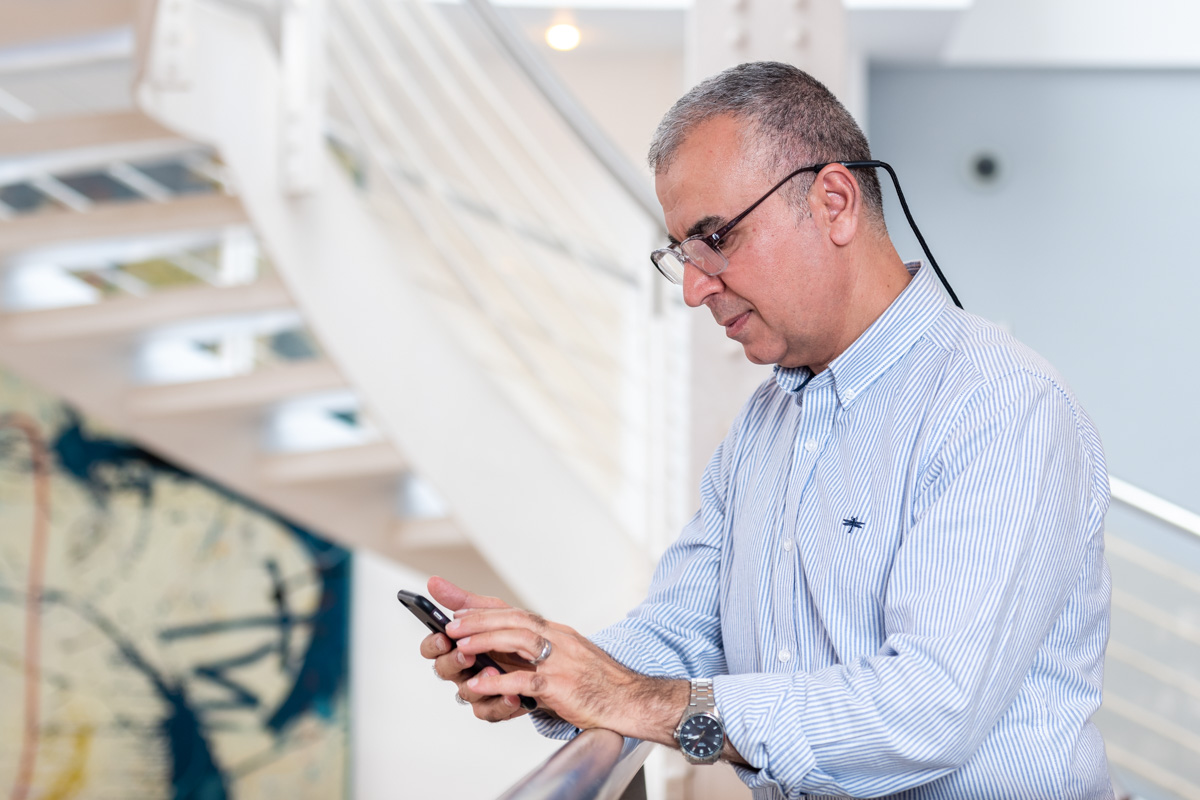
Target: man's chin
x,y
754,357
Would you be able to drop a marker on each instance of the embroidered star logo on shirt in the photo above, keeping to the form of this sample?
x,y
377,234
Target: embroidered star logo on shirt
x,y
852,523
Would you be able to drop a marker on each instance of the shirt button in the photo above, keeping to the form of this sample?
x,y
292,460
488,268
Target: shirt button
x,y
851,394
810,445
784,655
787,545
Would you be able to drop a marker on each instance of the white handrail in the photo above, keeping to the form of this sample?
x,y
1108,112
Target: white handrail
x,y
1155,506
562,101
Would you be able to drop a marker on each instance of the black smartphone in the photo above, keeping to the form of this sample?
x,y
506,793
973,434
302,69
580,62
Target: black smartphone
x,y
436,620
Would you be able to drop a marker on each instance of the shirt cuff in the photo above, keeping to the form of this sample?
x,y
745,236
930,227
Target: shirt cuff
x,y
759,712
552,727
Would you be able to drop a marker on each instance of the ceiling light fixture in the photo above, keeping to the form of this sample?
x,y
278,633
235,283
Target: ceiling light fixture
x,y
562,36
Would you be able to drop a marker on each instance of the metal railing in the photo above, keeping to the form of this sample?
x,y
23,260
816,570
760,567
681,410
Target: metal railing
x,y
595,765
1152,690
1155,506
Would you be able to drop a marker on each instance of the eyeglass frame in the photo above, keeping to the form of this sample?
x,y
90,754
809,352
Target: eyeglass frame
x,y
713,240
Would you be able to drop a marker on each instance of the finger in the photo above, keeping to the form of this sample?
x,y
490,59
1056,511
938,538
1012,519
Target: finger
x,y
435,645
492,619
472,696
455,598
530,684
451,666
523,643
498,709
494,707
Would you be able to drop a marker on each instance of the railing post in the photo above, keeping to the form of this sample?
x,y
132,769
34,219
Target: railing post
x,y
302,106
171,63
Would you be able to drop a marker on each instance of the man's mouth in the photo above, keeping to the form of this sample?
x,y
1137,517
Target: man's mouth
x,y
734,325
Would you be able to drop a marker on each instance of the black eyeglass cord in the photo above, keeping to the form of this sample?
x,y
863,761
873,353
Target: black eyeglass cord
x,y
908,215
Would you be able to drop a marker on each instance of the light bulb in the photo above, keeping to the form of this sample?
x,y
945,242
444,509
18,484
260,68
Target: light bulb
x,y
562,36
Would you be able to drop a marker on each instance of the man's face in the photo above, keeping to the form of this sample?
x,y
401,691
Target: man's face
x,y
786,291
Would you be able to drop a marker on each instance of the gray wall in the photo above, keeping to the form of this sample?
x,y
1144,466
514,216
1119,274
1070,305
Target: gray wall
x,y
1086,246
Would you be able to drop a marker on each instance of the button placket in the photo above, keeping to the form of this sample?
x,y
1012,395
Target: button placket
x,y
817,413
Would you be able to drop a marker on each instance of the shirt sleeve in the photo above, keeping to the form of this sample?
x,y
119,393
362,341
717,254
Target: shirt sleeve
x,y
1000,522
676,631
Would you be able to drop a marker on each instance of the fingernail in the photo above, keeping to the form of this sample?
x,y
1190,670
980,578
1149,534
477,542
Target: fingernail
x,y
453,626
440,644
473,682
462,659
463,640
510,702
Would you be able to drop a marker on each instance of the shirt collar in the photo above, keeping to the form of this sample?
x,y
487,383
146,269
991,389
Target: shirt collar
x,y
882,344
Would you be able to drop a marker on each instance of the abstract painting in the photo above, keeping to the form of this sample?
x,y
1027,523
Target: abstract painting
x,y
160,637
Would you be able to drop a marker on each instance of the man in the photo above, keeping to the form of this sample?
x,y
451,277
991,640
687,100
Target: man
x,y
895,584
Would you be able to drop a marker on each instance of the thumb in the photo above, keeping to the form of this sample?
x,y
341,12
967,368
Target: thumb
x,y
456,599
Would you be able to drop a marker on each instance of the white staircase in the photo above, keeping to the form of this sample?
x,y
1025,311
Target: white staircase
x,y
395,316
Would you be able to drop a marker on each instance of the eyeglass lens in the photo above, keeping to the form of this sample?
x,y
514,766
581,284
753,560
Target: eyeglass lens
x,y
706,257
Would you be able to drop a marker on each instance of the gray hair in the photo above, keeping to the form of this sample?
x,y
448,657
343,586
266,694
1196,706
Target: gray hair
x,y
794,121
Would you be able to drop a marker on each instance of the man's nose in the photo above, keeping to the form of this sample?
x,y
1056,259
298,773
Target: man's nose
x,y
698,285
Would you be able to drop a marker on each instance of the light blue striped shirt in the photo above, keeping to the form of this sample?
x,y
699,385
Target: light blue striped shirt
x,y
896,577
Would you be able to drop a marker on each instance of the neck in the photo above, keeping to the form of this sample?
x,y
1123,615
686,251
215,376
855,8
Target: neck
x,y
879,278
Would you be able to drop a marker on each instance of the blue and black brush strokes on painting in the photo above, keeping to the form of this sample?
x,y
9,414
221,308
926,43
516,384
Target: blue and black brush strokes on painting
x,y
103,466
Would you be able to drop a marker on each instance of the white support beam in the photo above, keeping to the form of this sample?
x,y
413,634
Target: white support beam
x,y
808,33
117,220
340,464
25,21
259,388
78,132
124,316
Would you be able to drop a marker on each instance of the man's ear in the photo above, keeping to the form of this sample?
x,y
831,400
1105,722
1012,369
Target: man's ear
x,y
838,201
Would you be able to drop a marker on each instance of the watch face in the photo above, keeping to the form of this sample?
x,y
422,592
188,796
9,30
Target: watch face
x,y
701,736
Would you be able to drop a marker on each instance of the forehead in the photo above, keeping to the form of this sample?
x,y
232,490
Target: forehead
x,y
710,176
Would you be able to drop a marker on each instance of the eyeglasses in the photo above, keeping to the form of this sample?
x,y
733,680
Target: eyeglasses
x,y
704,249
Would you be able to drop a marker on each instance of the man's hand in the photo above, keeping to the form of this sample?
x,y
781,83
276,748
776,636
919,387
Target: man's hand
x,y
451,664
577,681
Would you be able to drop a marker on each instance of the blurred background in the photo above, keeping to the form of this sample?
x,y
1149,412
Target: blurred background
x,y
302,301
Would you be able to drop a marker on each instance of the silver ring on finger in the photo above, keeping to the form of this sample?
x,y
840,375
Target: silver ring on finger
x,y
547,649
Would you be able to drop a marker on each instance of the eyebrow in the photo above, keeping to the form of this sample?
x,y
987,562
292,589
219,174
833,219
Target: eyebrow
x,y
702,225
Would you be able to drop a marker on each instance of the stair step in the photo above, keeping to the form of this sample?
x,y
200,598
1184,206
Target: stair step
x,y
77,132
343,463
111,221
130,315
258,388
28,21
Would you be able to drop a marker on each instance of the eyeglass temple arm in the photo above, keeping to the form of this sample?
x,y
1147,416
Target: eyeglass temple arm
x,y
908,215
717,235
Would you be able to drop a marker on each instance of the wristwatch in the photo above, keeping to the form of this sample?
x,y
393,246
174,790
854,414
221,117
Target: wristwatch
x,y
700,734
